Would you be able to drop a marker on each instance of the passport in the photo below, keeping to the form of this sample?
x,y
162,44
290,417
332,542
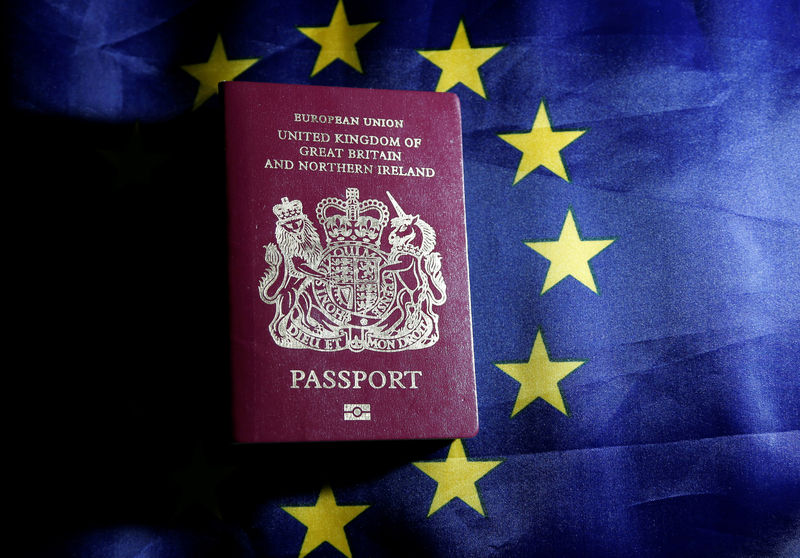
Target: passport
x,y
349,282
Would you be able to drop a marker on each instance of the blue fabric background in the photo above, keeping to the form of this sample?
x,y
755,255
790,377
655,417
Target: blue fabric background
x,y
682,435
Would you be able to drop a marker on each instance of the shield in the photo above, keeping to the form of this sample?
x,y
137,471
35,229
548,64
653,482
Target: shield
x,y
354,279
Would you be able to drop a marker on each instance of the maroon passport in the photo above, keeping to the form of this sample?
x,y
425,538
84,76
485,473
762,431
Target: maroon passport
x,y
349,287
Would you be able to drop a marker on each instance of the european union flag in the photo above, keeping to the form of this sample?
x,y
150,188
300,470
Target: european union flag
x,y
632,193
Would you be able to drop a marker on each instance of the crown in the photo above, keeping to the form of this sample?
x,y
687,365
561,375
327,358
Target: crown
x,y
287,210
351,219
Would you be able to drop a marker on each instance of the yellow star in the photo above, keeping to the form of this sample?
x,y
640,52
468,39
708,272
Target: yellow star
x,y
569,255
539,377
541,146
325,521
217,69
456,477
338,40
460,62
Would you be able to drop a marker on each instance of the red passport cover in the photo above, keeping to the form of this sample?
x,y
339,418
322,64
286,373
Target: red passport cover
x,y
349,287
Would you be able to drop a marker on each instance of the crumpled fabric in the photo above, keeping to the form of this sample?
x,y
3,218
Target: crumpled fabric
x,y
682,436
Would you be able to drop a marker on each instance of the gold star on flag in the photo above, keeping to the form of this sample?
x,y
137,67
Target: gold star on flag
x,y
569,255
217,69
338,40
539,377
325,521
541,146
460,62
456,477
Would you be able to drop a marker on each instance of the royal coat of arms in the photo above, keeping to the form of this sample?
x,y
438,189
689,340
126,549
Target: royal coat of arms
x,y
360,290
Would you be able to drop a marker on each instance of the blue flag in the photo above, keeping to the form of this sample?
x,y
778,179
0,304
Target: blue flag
x,y
632,195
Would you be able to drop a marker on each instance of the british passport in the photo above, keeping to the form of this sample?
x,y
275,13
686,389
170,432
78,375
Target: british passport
x,y
349,286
